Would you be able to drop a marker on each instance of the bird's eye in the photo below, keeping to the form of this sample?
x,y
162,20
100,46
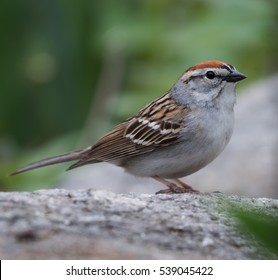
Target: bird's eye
x,y
210,75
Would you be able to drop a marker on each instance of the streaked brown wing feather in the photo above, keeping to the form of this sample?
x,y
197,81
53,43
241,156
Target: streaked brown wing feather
x,y
156,125
115,145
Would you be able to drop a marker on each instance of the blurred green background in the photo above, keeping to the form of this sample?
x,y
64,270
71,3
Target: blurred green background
x,y
70,70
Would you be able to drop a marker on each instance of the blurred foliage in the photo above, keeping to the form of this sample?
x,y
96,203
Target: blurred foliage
x,y
69,66
259,225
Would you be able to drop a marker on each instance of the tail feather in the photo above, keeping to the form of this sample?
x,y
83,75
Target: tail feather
x,y
82,162
77,155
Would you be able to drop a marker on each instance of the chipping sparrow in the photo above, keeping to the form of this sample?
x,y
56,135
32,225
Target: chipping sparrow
x,y
175,135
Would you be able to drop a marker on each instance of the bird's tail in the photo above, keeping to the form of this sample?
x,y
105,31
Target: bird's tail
x,y
77,155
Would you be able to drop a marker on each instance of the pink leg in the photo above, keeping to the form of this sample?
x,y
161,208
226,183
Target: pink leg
x,y
173,188
186,186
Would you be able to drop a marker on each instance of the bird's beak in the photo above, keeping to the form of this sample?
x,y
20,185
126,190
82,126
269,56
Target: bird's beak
x,y
234,77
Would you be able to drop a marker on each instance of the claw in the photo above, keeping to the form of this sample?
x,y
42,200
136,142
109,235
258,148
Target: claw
x,y
173,188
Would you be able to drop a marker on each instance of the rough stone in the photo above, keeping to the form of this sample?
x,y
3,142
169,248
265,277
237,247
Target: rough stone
x,y
93,224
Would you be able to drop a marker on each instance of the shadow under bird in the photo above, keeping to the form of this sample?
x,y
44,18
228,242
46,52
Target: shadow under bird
x,y
175,135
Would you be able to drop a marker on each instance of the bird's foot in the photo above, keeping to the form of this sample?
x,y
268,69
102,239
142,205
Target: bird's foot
x,y
173,188
186,186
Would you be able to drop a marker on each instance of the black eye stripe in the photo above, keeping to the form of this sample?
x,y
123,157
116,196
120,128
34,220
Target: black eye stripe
x,y
228,67
215,76
203,76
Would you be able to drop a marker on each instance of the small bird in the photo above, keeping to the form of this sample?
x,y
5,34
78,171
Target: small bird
x,y
175,135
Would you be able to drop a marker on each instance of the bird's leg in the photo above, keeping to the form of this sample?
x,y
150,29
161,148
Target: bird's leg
x,y
186,186
173,188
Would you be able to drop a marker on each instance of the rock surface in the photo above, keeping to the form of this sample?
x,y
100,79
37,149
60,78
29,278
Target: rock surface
x,y
92,224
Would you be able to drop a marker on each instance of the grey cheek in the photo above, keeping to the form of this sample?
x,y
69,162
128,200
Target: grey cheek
x,y
192,84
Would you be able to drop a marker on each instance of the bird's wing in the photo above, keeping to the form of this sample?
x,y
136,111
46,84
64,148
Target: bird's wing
x,y
156,125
